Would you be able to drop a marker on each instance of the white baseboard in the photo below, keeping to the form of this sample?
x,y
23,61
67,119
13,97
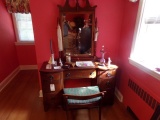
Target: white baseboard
x,y
8,79
28,67
118,94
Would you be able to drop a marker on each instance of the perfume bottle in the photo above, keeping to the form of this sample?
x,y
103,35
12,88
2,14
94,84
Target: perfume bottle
x,y
109,62
102,60
52,59
68,58
60,62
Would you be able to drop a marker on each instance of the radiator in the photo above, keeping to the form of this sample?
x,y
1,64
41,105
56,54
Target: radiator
x,y
143,94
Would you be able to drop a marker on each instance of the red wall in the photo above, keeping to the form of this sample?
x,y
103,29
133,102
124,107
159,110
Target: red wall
x,y
109,14
44,17
8,55
12,56
26,54
127,71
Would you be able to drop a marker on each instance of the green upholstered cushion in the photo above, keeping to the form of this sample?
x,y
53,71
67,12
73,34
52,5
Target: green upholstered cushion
x,y
82,91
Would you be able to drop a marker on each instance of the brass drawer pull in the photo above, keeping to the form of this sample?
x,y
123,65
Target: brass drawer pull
x,y
51,77
68,74
108,83
108,74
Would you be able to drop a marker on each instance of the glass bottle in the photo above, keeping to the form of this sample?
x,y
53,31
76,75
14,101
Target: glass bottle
x,y
68,58
102,60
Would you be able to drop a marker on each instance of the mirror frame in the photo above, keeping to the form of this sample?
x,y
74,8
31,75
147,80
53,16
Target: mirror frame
x,y
67,9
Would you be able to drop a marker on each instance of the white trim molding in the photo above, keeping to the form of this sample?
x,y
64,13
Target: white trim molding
x,y
118,94
133,1
8,79
24,43
145,69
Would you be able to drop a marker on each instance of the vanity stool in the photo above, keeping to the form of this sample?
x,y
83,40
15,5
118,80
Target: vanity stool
x,y
82,98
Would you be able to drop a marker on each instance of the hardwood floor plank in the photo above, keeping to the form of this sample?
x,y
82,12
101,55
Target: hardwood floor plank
x,y
20,101
25,101
11,95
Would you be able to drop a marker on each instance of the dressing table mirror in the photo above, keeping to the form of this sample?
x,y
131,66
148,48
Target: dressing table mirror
x,y
78,29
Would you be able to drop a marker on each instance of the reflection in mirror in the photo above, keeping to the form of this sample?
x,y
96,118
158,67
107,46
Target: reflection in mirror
x,y
77,33
78,26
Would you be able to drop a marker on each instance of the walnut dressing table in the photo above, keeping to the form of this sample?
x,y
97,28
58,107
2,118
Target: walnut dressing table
x,y
53,81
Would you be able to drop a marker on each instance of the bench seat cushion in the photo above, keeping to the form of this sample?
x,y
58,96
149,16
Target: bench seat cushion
x,y
82,91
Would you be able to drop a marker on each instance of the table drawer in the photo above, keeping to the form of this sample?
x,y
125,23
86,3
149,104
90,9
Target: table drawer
x,y
106,84
107,74
75,74
52,78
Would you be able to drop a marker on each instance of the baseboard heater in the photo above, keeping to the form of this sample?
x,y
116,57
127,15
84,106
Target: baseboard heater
x,y
143,94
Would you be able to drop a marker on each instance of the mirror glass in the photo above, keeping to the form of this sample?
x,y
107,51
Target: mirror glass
x,y
78,30
77,33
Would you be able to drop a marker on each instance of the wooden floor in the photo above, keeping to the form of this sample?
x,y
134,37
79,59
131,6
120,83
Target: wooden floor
x,y
20,101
